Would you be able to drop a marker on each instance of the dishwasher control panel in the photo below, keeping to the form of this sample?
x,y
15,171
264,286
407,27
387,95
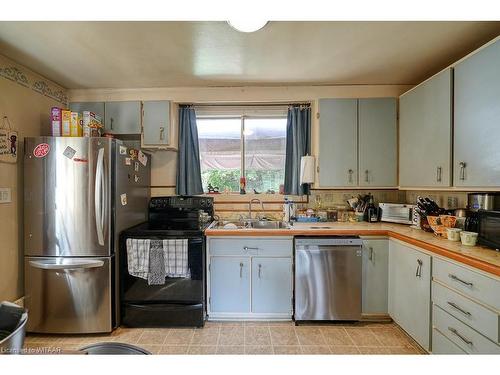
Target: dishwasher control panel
x,y
329,241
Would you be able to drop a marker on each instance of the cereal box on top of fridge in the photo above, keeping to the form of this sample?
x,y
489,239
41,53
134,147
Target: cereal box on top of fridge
x,y
75,125
66,123
55,117
91,124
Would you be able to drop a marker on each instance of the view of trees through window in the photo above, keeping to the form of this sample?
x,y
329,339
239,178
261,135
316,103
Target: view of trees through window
x,y
258,141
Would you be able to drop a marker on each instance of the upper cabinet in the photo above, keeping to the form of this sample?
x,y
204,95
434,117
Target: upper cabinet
x,y
123,117
425,131
356,133
378,139
157,130
95,107
477,119
338,146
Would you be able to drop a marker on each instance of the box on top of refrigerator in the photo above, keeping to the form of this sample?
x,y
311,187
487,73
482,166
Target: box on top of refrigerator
x,y
76,125
66,123
55,118
92,124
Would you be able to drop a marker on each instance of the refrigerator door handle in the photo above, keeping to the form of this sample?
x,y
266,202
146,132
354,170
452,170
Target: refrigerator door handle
x,y
67,266
98,191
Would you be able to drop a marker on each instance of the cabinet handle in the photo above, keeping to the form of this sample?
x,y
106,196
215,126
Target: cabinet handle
x,y
260,270
246,248
456,307
467,283
439,174
456,333
463,165
418,273
111,124
241,270
370,255
350,171
162,130
366,175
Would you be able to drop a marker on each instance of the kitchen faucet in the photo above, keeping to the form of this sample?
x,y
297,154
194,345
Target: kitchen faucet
x,y
256,200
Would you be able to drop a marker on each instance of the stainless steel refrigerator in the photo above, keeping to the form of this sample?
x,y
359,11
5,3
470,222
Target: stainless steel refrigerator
x,y
79,194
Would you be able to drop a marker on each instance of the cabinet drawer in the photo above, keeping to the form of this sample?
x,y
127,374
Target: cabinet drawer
x,y
461,335
441,345
470,283
480,318
251,247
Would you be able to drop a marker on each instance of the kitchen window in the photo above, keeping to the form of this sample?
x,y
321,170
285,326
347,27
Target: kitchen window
x,y
240,142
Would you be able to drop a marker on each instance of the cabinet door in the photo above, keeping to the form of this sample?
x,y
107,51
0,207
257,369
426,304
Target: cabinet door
x,y
410,291
272,285
477,119
378,142
123,117
375,276
95,107
156,123
338,142
230,284
425,133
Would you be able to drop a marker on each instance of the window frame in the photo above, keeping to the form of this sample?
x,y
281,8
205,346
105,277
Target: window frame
x,y
242,117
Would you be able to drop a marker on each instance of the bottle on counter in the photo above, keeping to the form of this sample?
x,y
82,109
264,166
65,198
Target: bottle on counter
x,y
372,211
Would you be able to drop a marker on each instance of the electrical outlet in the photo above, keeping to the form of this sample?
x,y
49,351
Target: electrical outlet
x,y
5,195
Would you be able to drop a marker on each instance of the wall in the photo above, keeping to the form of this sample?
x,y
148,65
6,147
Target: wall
x,y
26,98
164,162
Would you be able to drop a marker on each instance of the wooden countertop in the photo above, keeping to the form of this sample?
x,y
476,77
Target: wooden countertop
x,y
479,257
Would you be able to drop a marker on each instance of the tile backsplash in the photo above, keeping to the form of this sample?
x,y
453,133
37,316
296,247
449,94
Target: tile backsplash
x,y
445,199
333,198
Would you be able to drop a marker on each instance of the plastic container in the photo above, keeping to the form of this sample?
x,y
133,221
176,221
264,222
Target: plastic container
x,y
468,238
453,234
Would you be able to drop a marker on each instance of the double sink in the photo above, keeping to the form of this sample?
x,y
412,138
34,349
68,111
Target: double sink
x,y
252,224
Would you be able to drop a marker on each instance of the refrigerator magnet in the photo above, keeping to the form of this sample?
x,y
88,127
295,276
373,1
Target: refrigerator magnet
x,y
123,150
136,166
69,152
41,150
123,199
128,161
142,158
136,178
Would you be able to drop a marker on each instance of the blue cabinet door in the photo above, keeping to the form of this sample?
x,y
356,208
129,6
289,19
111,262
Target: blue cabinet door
x,y
95,107
410,291
338,142
123,117
272,285
230,284
375,276
156,123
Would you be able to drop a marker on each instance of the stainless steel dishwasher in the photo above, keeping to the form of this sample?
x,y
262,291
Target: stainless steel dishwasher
x,y
328,278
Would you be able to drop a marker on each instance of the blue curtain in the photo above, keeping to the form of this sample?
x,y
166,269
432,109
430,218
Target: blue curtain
x,y
188,161
298,144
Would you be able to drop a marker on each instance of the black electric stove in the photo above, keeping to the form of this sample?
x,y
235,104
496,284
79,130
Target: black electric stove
x,y
180,301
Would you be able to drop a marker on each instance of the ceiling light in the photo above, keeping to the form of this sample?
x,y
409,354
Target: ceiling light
x,y
247,25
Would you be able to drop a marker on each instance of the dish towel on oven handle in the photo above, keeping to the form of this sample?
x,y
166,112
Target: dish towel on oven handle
x,y
138,257
157,269
176,258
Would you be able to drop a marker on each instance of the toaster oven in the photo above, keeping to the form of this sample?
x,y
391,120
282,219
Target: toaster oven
x,y
397,213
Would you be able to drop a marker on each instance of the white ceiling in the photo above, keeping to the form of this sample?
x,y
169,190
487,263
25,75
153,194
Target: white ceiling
x,y
169,54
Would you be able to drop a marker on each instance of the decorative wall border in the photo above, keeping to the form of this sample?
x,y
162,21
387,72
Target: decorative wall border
x,y
25,77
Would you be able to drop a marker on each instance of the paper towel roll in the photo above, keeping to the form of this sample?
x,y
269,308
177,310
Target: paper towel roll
x,y
307,169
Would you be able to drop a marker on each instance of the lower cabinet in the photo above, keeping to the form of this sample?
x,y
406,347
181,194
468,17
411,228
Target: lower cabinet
x,y
375,276
442,345
250,278
271,285
230,283
410,291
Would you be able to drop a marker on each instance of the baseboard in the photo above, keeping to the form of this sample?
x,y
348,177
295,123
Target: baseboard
x,y
376,318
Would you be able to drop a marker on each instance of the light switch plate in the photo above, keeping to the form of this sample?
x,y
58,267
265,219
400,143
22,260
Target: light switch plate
x,y
5,195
